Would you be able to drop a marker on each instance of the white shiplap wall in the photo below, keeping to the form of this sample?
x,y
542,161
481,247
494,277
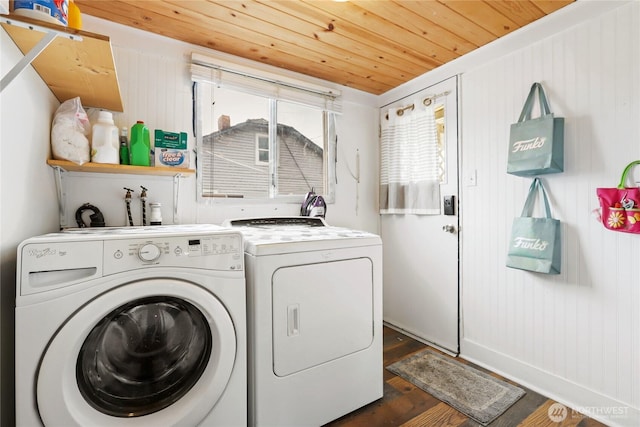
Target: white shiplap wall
x,y
155,82
575,336
156,88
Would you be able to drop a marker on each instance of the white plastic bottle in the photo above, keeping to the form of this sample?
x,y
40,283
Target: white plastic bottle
x,y
156,214
105,144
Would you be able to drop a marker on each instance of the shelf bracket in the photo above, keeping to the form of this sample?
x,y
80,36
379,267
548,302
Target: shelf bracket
x,y
26,60
176,194
59,176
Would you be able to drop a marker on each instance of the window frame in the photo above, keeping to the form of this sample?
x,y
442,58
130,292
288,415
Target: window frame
x,y
329,167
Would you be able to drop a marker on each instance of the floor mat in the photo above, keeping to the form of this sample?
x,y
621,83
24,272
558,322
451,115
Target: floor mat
x,y
472,392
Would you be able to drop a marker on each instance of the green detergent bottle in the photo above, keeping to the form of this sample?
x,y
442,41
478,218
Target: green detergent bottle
x,y
140,144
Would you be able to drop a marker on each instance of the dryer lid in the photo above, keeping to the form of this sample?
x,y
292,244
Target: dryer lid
x,y
268,236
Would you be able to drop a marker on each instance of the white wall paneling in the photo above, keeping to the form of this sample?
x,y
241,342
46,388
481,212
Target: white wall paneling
x,y
156,89
155,83
576,335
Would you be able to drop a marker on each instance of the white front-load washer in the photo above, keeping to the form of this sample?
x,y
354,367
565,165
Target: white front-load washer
x,y
314,309
131,327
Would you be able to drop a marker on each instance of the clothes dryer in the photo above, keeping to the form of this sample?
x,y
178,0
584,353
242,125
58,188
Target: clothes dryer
x,y
130,327
314,308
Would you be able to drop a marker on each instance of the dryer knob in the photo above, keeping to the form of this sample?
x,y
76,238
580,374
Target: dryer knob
x,y
149,252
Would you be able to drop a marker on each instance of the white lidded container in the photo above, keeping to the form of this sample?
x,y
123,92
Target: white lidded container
x,y
105,142
156,214
53,11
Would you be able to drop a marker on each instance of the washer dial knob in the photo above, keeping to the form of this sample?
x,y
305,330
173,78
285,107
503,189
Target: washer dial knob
x,y
149,252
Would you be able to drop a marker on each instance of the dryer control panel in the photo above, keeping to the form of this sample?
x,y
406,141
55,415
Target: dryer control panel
x,y
212,252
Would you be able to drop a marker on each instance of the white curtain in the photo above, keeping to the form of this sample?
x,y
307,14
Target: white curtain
x,y
409,177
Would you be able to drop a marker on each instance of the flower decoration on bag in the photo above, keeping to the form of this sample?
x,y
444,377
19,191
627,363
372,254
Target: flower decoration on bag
x,y
616,220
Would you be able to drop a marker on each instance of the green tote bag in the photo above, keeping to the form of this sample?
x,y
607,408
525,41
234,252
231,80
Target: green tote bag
x,y
535,243
536,145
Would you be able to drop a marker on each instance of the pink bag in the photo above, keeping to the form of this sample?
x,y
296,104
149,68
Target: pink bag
x,y
621,206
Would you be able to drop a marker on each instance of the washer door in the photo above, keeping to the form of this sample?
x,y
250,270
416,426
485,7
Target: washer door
x,y
152,352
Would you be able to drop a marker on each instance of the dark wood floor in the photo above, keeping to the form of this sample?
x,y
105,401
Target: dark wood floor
x,y
404,404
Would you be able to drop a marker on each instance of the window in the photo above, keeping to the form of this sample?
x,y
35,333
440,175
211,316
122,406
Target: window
x,y
442,149
262,149
260,139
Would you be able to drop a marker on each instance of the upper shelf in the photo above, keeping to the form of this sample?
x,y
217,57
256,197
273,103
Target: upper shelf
x,y
109,168
72,68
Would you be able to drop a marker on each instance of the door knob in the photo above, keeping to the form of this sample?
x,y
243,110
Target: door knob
x,y
449,228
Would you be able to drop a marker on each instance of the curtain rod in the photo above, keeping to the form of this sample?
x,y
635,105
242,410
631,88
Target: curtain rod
x,y
426,101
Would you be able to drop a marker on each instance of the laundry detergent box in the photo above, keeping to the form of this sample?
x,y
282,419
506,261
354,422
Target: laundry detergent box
x,y
171,149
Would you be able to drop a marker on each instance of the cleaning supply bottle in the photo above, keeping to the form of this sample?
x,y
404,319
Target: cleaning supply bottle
x,y
156,214
104,140
74,16
124,146
140,144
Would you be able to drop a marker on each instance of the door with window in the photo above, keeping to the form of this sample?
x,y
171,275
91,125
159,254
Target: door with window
x,y
421,273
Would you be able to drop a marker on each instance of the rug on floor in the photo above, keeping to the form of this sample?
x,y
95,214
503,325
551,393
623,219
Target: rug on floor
x,y
472,392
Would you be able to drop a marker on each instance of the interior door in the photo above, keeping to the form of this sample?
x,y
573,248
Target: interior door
x,y
421,274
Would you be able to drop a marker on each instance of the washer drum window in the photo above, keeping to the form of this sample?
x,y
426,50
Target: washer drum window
x,y
143,356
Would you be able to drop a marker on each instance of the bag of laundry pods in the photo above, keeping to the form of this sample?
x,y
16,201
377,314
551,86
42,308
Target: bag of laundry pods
x,y
69,132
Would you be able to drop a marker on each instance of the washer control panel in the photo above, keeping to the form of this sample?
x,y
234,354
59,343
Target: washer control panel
x,y
212,252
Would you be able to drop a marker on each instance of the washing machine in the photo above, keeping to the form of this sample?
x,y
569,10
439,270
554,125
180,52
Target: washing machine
x,y
139,326
314,309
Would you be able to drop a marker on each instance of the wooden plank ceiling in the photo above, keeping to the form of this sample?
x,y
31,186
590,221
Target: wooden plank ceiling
x,y
369,45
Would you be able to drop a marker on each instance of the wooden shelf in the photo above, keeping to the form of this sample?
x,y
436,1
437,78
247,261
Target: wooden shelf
x,y
119,169
60,166
71,68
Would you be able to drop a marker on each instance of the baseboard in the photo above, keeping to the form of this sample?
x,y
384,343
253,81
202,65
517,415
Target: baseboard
x,y
589,402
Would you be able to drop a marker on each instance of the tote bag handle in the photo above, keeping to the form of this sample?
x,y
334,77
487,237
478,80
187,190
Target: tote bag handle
x,y
527,210
528,105
626,171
